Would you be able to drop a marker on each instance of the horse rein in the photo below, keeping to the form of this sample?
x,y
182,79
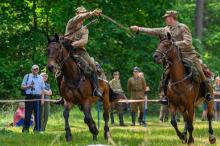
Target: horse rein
x,y
58,66
164,56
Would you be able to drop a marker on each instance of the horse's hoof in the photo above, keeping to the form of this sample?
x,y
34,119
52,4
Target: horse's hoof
x,y
94,137
107,135
212,141
184,141
190,141
183,138
69,138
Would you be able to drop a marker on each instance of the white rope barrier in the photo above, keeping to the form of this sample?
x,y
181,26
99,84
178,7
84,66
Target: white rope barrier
x,y
149,100
51,100
28,100
132,100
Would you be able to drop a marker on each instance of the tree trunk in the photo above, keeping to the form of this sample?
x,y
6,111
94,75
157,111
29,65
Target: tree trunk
x,y
34,14
47,17
199,18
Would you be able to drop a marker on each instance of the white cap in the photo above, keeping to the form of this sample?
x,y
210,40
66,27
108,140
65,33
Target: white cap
x,y
35,67
44,74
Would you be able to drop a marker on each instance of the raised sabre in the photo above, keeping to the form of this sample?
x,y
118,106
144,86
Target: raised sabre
x,y
118,24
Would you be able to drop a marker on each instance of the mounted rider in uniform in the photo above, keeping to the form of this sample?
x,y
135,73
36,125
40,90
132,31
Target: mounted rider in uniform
x,y
182,38
77,36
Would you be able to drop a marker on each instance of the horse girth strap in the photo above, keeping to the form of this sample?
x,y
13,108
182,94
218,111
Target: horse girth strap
x,y
179,81
188,65
73,84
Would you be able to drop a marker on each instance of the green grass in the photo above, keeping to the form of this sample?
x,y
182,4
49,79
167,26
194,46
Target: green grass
x,y
155,134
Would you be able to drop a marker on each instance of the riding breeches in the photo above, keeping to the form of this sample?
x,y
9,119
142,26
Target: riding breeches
x,y
83,53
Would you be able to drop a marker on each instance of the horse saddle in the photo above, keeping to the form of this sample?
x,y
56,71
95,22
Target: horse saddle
x,y
83,65
190,68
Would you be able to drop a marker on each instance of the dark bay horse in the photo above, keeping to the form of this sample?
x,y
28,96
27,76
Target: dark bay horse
x,y
183,92
76,89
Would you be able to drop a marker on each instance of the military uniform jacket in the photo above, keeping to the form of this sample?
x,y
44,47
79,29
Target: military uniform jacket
x,y
116,86
181,36
78,34
136,87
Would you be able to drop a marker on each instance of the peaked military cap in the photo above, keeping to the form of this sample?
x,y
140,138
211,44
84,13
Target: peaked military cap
x,y
81,9
171,13
136,69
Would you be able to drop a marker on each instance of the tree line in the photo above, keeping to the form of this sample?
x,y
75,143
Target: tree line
x,y
26,23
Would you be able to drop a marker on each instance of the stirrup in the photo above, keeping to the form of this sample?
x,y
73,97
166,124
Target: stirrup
x,y
209,97
164,100
97,93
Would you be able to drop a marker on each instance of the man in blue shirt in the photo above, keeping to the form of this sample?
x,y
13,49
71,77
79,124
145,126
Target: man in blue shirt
x,y
33,85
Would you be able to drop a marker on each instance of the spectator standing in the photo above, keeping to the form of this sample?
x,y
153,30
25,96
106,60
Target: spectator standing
x,y
205,111
136,89
45,107
115,84
164,113
33,85
216,88
141,74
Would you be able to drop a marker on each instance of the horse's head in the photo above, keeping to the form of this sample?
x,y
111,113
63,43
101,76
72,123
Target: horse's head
x,y
54,53
164,50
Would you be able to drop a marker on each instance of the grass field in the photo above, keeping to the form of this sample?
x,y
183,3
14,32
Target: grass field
x,y
155,134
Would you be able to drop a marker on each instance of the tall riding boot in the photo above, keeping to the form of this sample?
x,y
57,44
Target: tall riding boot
x,y
140,119
121,120
133,118
112,118
95,84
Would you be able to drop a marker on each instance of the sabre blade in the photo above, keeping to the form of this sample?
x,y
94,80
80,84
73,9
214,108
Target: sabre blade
x,y
118,24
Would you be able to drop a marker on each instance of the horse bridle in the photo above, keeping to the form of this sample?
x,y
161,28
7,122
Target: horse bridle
x,y
166,58
59,60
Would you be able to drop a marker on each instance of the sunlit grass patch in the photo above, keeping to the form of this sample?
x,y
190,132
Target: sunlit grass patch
x,y
154,134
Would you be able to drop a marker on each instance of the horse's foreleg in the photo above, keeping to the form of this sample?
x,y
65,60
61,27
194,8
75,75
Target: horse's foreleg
x,y
174,124
89,120
67,126
212,139
190,124
173,121
106,107
184,133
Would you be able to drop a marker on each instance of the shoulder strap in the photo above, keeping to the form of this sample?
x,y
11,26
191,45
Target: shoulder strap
x,y
27,79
